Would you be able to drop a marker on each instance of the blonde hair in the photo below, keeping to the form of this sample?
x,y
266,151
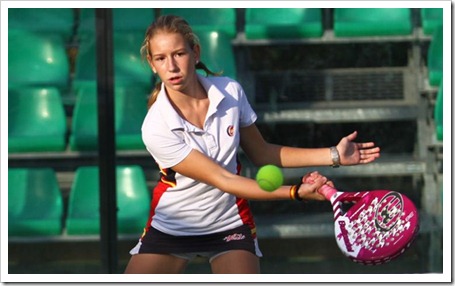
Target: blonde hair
x,y
170,24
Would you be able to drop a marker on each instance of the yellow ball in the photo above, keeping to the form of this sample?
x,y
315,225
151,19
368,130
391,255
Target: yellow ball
x,y
269,178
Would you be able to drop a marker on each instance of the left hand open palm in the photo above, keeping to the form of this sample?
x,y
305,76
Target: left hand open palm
x,y
352,153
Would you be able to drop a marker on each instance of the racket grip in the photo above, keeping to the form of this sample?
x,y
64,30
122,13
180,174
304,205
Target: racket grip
x,y
327,191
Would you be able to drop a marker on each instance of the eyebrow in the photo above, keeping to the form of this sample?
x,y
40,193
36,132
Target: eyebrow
x,y
173,52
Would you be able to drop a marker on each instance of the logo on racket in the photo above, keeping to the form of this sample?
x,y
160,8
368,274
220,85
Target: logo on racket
x,y
388,211
345,235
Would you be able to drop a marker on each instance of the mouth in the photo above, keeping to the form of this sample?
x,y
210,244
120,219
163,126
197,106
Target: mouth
x,y
175,79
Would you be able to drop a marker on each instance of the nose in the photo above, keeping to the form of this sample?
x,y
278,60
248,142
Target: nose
x,y
172,65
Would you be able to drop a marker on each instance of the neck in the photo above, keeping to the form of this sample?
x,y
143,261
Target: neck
x,y
191,95
193,108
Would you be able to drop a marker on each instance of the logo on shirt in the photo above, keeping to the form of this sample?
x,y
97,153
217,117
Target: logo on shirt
x,y
230,130
235,236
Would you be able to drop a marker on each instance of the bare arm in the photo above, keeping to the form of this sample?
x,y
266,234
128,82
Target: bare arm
x,y
261,152
237,185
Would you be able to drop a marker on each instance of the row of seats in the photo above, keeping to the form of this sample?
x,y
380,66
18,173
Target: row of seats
x,y
347,22
259,22
46,62
39,73
215,26
129,26
36,206
272,23
37,120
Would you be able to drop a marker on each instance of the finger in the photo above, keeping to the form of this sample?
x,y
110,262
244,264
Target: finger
x,y
365,145
319,182
314,174
352,136
330,183
310,177
368,156
370,150
368,159
306,178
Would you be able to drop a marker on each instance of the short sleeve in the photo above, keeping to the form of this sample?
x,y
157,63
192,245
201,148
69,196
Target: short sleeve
x,y
247,114
167,147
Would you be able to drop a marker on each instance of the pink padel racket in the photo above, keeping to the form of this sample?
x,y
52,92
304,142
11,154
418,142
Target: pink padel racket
x,y
378,227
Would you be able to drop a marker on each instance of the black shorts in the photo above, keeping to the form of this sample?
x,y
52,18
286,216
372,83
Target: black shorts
x,y
239,238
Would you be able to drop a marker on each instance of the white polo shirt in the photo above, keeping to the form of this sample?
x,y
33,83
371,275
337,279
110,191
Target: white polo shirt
x,y
181,205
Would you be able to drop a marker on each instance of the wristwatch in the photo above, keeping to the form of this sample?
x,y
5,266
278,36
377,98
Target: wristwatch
x,y
335,157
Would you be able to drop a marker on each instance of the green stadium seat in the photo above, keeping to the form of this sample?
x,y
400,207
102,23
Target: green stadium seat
x,y
133,201
129,68
35,204
36,120
129,20
84,128
360,22
217,53
207,19
438,118
435,58
272,23
431,19
130,110
37,60
43,20
129,26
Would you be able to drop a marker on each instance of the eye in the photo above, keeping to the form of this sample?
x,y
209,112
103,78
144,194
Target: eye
x,y
180,54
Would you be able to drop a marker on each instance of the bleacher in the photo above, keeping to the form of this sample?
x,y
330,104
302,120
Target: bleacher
x,y
312,75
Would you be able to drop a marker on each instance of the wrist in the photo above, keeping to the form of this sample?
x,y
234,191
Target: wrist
x,y
335,157
294,193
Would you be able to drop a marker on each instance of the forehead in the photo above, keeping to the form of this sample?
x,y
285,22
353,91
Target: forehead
x,y
164,41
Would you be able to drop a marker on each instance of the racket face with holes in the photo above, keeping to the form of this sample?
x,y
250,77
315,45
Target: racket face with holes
x,y
377,228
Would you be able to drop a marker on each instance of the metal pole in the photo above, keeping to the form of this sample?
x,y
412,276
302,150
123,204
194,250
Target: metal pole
x,y
106,140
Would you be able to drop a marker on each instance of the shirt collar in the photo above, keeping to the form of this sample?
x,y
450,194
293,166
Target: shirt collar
x,y
214,94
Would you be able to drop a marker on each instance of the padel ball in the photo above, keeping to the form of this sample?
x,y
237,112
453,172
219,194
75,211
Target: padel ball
x,y
269,178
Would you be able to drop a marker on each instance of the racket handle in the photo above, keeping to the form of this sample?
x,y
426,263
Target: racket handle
x,y
327,191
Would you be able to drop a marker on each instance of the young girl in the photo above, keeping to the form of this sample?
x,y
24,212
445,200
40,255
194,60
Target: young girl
x,y
193,129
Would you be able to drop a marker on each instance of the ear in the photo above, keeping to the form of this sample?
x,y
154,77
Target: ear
x,y
197,53
149,60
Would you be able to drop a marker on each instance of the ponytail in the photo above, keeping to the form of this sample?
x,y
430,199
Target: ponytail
x,y
201,66
154,95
